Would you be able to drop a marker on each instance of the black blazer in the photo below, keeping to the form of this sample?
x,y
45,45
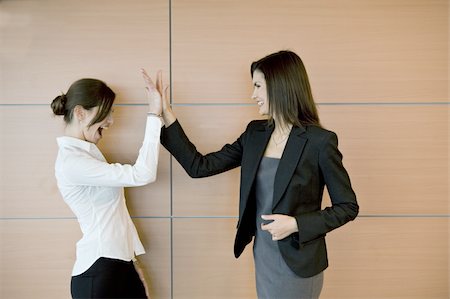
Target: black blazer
x,y
310,161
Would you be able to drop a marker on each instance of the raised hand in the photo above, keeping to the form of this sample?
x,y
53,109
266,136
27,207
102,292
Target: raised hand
x,y
167,113
154,97
163,91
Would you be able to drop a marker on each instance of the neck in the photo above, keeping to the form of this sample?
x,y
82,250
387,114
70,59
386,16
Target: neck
x,y
73,131
281,128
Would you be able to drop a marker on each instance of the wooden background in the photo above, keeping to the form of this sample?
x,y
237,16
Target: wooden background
x,y
379,73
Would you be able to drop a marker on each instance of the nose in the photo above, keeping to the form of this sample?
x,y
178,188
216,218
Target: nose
x,y
254,94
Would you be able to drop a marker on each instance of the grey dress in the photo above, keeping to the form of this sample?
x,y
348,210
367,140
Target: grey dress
x,y
274,279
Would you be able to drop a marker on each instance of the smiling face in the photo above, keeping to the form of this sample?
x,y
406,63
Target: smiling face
x,y
260,92
94,132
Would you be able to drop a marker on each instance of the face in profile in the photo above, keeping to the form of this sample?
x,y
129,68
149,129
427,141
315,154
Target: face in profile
x,y
260,92
94,132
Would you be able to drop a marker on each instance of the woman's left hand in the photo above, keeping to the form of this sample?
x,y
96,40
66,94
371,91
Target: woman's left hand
x,y
281,226
141,274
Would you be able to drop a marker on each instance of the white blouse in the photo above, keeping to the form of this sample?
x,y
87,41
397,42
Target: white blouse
x,y
93,189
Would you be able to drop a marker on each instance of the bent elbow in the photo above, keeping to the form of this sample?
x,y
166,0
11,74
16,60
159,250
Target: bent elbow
x,y
353,211
150,178
145,178
192,172
194,175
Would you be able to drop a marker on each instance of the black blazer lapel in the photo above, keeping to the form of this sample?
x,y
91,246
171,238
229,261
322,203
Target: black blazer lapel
x,y
254,151
289,160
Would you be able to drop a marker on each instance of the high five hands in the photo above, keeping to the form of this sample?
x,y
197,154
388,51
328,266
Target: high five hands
x,y
155,93
158,97
281,226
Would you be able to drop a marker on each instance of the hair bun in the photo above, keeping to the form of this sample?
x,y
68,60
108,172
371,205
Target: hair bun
x,y
59,105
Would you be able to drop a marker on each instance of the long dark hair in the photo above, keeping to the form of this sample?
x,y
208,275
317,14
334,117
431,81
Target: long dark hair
x,y
88,93
288,88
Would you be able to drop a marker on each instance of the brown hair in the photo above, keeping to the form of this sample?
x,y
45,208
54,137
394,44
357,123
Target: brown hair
x,y
88,93
288,88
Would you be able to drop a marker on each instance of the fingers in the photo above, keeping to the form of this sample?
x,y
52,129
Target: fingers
x,y
146,77
277,228
154,92
166,91
268,225
276,234
159,86
149,85
270,217
149,82
279,236
159,82
165,99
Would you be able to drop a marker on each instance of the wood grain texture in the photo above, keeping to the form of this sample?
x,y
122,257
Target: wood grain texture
x,y
397,157
203,262
155,234
353,50
209,128
358,54
388,258
28,154
369,258
47,45
37,256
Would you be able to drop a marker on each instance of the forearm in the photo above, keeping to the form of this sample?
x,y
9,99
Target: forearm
x,y
174,139
344,204
316,224
197,165
145,168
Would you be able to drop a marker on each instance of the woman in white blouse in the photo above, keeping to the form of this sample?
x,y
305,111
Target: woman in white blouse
x,y
93,189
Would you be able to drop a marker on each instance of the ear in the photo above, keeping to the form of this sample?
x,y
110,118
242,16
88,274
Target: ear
x,y
79,113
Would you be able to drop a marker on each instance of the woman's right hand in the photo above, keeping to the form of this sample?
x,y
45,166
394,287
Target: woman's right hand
x,y
154,96
167,113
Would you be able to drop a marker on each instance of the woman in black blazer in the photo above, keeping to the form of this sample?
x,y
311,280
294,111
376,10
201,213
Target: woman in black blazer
x,y
285,163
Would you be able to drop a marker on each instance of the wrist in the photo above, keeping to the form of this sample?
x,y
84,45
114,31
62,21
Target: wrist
x,y
167,110
168,117
153,113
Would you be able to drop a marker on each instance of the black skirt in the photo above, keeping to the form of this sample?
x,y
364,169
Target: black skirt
x,y
108,278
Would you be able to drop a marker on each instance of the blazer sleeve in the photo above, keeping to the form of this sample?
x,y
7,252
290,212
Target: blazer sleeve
x,y
194,163
344,205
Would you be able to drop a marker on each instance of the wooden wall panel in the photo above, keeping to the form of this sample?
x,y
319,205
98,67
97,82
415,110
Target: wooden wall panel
x,y
37,256
397,157
210,128
359,54
394,257
28,154
369,258
47,45
203,261
155,234
354,51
